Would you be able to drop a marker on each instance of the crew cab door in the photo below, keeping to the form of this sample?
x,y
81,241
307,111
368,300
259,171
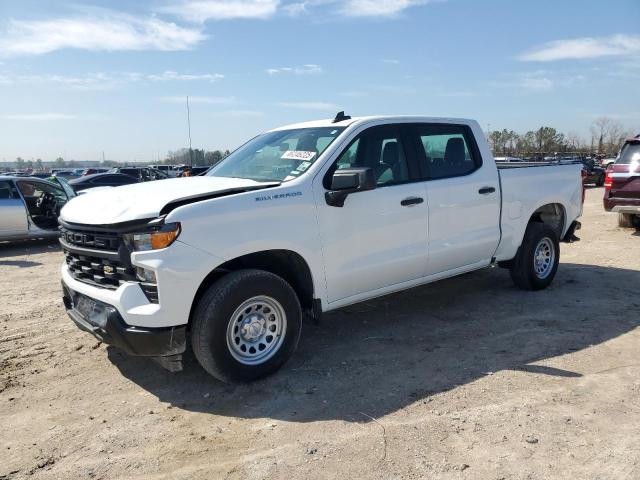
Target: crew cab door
x,y
13,214
379,237
463,195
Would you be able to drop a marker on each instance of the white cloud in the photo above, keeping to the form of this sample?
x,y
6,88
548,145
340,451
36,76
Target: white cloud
x,y
540,81
171,75
202,10
586,47
106,32
294,9
38,117
309,69
105,81
196,99
377,8
309,105
356,8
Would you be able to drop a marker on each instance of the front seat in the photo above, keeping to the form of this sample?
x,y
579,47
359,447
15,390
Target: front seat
x,y
392,168
454,156
307,143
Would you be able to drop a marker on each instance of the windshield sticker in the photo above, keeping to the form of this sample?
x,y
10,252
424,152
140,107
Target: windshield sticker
x,y
298,155
302,167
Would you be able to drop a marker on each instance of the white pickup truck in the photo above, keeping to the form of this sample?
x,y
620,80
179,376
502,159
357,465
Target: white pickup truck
x,y
305,219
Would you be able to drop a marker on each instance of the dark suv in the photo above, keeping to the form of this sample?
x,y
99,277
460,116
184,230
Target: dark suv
x,y
622,185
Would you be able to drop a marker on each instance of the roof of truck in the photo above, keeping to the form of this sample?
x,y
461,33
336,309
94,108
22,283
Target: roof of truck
x,y
385,118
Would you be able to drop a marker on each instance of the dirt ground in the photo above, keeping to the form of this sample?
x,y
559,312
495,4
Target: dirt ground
x,y
467,378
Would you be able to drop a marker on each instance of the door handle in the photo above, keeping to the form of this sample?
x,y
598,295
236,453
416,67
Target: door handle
x,y
486,190
408,202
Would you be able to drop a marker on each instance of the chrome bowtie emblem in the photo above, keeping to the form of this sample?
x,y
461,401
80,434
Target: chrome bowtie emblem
x,y
108,269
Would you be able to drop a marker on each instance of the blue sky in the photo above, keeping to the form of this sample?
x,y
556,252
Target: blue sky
x,y
79,78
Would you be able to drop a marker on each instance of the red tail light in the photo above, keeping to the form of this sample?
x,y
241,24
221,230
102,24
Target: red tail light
x,y
608,181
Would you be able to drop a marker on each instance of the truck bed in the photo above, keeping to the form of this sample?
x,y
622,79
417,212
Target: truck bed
x,y
526,186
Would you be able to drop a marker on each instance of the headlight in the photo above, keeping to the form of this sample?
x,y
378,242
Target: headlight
x,y
158,237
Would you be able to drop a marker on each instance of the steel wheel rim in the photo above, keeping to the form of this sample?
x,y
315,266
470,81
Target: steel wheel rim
x,y
256,330
544,257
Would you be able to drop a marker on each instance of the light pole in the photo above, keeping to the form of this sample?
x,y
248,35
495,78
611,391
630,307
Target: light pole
x,y
189,128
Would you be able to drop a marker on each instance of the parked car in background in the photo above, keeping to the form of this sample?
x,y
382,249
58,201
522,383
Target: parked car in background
x,y
91,171
168,169
605,162
102,180
181,169
592,173
508,159
622,185
195,171
144,174
187,171
29,207
65,173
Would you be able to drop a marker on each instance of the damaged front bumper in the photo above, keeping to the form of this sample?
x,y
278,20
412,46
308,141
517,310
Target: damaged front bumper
x,y
165,345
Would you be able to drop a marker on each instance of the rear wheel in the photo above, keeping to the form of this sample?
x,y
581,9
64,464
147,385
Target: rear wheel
x,y
536,262
246,325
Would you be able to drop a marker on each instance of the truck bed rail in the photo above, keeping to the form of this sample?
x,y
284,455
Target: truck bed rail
x,y
505,165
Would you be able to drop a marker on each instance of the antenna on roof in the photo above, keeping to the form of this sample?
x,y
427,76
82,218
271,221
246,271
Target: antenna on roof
x,y
340,117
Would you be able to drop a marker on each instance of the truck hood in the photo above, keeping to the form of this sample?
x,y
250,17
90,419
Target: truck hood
x,y
147,200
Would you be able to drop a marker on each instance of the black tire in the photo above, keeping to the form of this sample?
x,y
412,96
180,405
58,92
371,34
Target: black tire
x,y
625,220
213,315
523,270
600,181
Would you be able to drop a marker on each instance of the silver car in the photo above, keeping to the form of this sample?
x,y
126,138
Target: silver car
x,y
29,207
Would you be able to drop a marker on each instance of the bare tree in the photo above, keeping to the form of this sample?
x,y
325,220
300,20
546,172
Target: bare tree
x,y
608,133
614,136
574,141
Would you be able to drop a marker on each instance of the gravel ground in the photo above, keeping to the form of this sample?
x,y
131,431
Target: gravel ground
x,y
467,378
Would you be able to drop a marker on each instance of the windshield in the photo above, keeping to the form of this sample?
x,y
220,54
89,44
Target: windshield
x,y
277,156
630,153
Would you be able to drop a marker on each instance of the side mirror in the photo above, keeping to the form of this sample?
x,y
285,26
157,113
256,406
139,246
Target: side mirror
x,y
349,180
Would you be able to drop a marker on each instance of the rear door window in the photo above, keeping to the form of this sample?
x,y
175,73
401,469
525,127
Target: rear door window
x,y
445,151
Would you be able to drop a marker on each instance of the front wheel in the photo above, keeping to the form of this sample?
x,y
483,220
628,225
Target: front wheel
x,y
536,262
246,325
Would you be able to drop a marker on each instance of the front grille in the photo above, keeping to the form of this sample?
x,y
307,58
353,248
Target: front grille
x,y
98,271
91,239
101,259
